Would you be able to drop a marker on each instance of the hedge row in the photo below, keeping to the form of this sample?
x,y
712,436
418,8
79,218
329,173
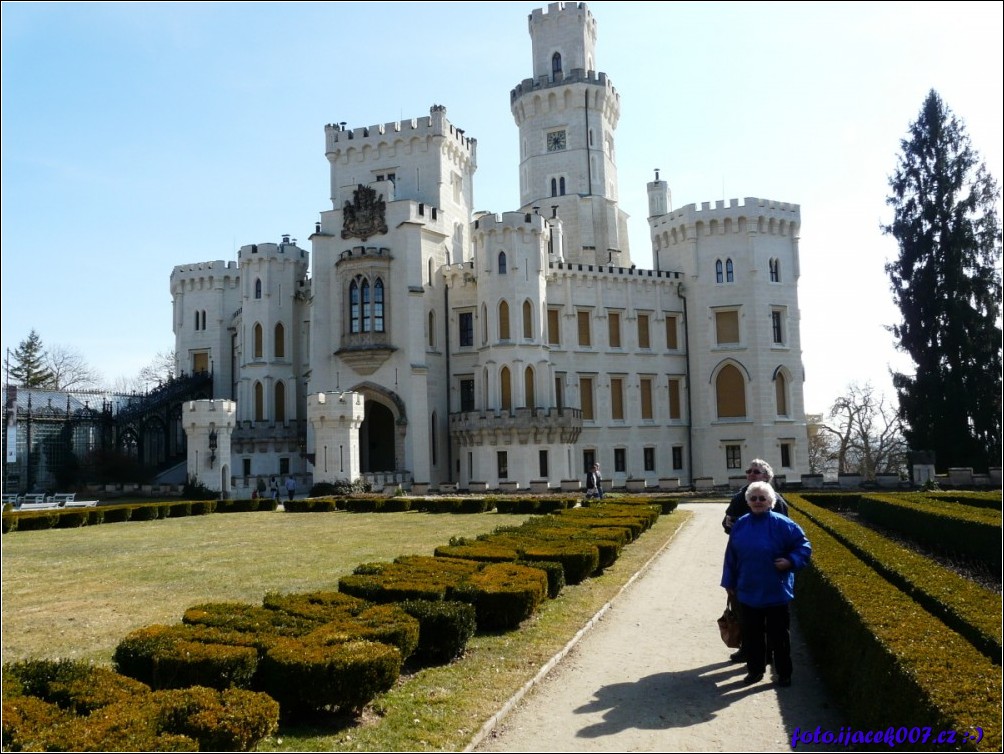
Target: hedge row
x,y
72,706
889,648
519,504
71,518
973,611
308,651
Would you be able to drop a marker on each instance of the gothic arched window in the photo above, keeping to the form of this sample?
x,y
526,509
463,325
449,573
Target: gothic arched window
x,y
729,276
257,288
502,263
730,393
719,277
378,319
280,341
556,63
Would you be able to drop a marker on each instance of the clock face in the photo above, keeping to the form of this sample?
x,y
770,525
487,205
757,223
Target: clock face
x,y
555,141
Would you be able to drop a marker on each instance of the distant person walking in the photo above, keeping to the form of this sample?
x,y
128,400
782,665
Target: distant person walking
x,y
274,488
594,482
290,487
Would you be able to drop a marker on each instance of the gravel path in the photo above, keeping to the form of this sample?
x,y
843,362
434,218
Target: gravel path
x,y
653,674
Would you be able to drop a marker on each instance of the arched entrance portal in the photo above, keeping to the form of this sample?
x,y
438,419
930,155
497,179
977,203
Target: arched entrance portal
x,y
377,439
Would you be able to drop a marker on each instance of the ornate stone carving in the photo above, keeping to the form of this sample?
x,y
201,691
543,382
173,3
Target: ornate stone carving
x,y
365,215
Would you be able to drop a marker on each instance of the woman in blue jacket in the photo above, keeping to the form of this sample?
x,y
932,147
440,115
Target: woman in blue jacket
x,y
765,549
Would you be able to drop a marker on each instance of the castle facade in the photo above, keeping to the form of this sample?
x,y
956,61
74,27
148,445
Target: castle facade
x,y
419,341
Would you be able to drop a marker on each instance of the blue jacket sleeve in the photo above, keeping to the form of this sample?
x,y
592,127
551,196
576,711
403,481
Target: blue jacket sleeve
x,y
799,549
730,570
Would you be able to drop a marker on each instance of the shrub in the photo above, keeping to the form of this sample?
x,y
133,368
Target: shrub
x,y
321,607
229,720
72,519
444,628
555,574
115,514
146,512
179,510
194,490
578,560
503,594
245,618
305,676
388,624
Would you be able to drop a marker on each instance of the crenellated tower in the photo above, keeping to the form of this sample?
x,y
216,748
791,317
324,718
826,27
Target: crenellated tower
x,y
567,114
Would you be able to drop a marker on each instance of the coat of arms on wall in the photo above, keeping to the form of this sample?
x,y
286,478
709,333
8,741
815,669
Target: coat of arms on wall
x,y
365,214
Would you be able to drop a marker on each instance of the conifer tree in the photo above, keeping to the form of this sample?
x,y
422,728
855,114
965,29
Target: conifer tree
x,y
29,368
947,285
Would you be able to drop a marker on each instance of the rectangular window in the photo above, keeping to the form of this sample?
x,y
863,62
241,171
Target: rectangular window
x,y
672,323
542,464
559,389
553,329
777,330
787,455
585,336
466,326
727,327
674,399
646,398
620,460
733,457
617,399
677,457
643,339
246,463
588,459
283,466
467,394
503,464
614,325
586,398
649,459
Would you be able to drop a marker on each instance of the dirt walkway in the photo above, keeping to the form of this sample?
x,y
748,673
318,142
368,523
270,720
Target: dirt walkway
x,y
653,675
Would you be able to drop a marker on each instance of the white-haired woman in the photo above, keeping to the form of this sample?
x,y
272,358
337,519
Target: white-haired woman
x,y
765,549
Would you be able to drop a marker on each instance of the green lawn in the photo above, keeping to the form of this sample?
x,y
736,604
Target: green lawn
x,y
76,592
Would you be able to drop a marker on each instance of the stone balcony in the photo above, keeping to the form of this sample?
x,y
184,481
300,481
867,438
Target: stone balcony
x,y
540,426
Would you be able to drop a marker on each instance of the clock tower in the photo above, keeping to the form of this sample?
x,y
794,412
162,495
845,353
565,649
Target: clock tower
x,y
567,115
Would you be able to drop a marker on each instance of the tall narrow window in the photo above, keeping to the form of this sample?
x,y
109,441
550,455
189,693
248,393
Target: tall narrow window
x,y
527,320
367,310
774,266
378,318
529,391
677,457
556,63
586,397
781,394
561,186
257,288
643,333
466,321
203,319
467,394
258,338
559,389
674,399
672,322
614,329
503,463
646,398
776,327
620,460
503,321
280,341
617,399
553,327
432,329
505,387
259,402
649,454
733,457
484,324
354,326
542,464
554,187
433,440
280,402
585,337
719,276
197,320
502,263
729,272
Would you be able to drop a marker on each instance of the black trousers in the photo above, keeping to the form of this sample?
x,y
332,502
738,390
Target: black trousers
x,y
767,628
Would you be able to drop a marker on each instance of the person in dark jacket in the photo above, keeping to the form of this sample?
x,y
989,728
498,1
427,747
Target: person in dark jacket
x,y
764,551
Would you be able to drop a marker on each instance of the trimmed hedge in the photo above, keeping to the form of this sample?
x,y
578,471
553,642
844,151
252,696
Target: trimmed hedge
x,y
503,594
73,706
965,607
889,648
444,628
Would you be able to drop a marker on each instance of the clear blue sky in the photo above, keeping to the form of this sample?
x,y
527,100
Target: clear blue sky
x,y
138,136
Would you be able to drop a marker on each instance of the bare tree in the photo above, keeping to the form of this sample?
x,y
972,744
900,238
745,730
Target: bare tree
x,y
822,446
160,369
868,433
69,369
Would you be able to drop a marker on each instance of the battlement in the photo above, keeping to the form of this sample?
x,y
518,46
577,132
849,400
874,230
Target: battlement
x,y
595,270
338,138
203,412
553,9
751,214
574,76
201,268
287,248
512,221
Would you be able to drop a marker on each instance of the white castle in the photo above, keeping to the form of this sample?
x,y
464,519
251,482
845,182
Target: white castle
x,y
429,344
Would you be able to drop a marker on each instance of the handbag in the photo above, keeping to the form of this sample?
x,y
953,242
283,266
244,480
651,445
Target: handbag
x,y
729,627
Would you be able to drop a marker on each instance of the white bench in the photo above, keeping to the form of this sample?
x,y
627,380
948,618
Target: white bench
x,y
80,503
62,498
36,502
10,497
